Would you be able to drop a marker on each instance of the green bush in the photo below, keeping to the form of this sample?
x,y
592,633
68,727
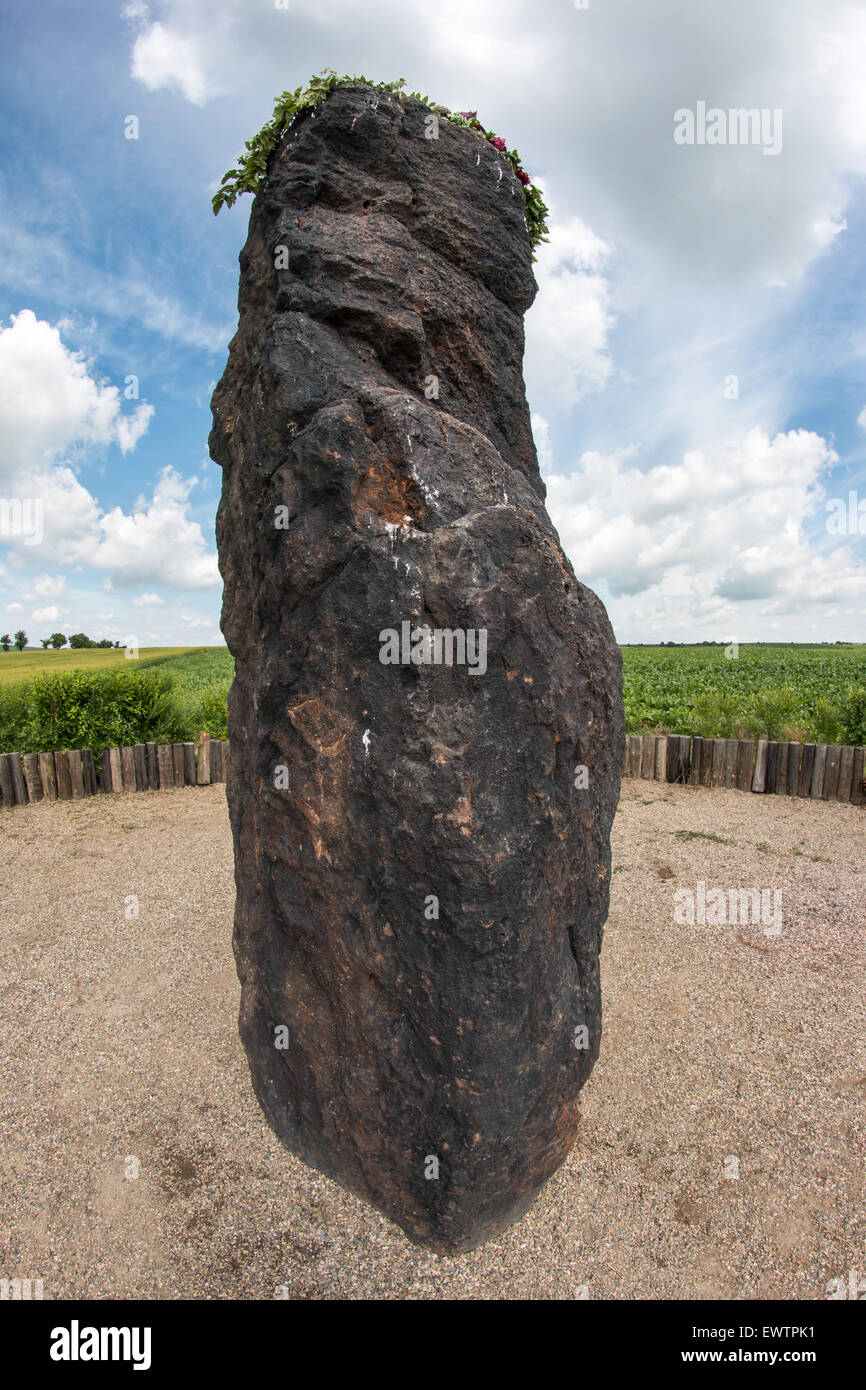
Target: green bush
x,y
826,722
89,709
16,719
715,715
767,712
214,711
164,701
853,716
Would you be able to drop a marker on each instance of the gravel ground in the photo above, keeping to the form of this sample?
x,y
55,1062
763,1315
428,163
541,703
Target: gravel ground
x,y
722,1145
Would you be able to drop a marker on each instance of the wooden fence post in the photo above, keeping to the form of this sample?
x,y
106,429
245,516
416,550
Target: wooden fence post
x,y
127,764
216,760
818,773
6,786
105,782
648,757
202,775
694,773
793,768
807,767
708,751
685,757
76,774
857,777
63,775
831,773
773,766
759,777
661,759
636,755
730,762
88,772
781,785
745,756
32,777
846,773
46,772
139,758
166,765
116,769
19,786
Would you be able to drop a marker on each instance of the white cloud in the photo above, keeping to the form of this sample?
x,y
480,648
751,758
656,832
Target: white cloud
x,y
70,513
157,541
51,614
567,328
13,608
44,264
130,428
50,585
51,405
147,600
163,58
724,526
49,402
195,48
543,447
861,418
192,621
600,105
485,38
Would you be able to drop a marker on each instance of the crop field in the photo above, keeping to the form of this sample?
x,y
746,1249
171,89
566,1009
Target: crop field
x,y
194,668
814,694
23,666
98,698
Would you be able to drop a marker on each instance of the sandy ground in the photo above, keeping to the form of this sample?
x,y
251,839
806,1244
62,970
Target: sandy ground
x,y
722,1146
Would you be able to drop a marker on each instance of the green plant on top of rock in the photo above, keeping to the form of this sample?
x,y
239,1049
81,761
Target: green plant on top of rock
x,y
252,167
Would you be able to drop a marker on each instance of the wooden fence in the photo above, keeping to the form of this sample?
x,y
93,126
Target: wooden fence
x,y
825,772
27,777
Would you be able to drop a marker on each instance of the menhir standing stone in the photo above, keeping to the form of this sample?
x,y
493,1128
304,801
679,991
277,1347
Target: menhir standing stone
x,y
422,877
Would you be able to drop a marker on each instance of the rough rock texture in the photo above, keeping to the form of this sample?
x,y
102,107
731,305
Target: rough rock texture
x,y
352,501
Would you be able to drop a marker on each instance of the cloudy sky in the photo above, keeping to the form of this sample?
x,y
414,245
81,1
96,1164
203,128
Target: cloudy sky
x,y
695,356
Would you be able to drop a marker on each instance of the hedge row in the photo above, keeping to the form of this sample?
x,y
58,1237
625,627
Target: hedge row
x,y
106,709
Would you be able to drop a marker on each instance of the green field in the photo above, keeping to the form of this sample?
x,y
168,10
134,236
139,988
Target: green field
x,y
98,698
22,666
814,694
194,668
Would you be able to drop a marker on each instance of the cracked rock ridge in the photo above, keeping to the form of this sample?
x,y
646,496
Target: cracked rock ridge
x,y
421,885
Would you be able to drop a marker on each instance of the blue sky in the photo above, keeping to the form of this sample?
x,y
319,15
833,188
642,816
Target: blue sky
x,y
695,357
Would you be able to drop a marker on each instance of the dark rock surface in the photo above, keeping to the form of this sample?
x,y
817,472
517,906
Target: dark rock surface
x,y
352,502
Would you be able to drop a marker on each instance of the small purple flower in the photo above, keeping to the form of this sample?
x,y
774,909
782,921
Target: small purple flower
x,y
497,142
469,115
524,177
